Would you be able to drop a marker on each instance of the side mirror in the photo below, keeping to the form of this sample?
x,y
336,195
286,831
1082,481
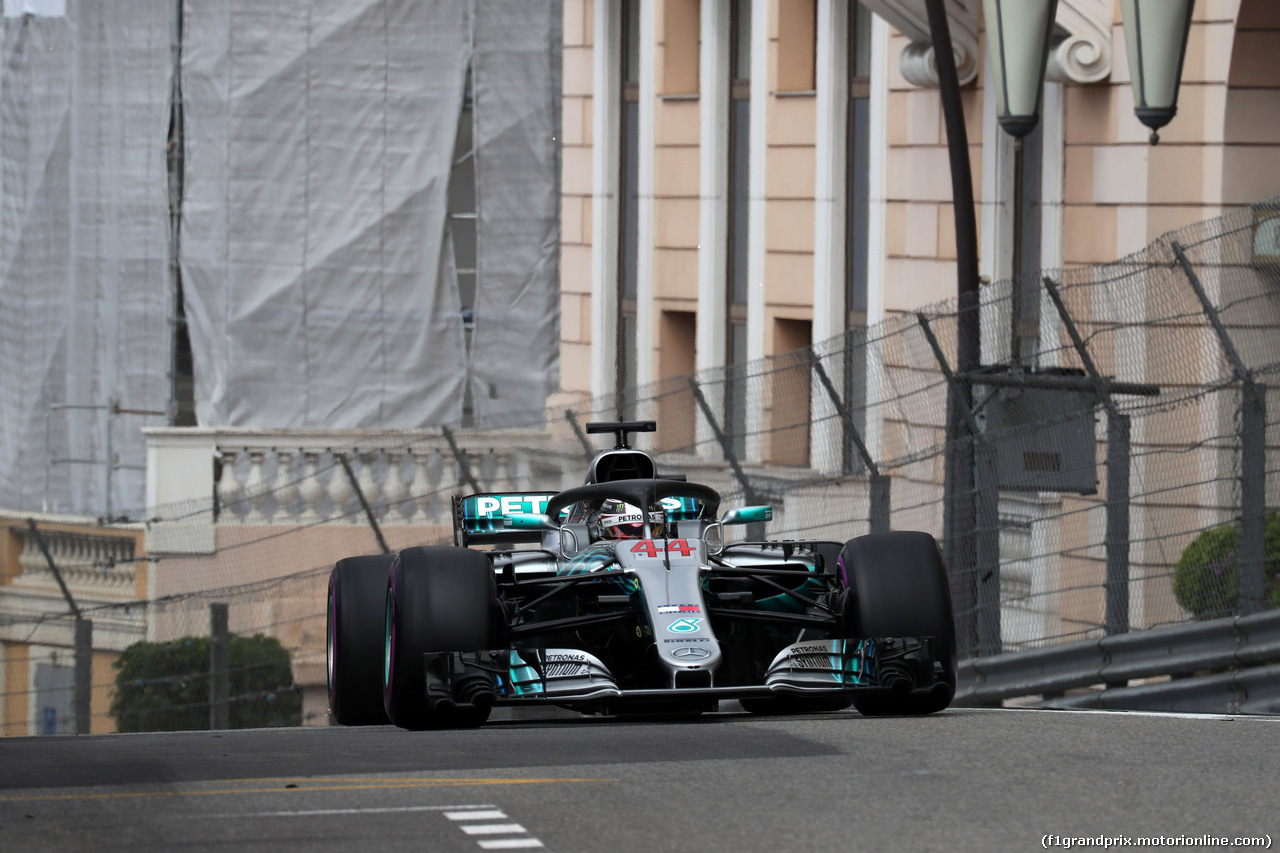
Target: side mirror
x,y
529,521
748,515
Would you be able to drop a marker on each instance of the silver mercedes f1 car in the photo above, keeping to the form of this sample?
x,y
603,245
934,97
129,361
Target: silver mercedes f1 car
x,y
627,599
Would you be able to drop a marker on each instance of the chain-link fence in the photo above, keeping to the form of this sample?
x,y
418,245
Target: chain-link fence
x,y
1117,470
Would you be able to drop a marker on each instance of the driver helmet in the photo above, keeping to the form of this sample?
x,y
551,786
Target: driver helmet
x,y
621,520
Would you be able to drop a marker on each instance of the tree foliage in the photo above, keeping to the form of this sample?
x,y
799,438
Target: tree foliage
x,y
164,687
1207,579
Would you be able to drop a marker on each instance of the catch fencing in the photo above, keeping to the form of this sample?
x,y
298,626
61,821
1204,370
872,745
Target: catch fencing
x,y
1116,471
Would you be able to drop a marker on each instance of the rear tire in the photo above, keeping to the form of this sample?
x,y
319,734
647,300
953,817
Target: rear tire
x,y
901,590
353,639
438,599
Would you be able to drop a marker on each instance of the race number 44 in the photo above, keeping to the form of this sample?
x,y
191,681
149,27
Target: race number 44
x,y
652,548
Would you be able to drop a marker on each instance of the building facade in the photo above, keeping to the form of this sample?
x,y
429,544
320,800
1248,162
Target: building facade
x,y
742,178
106,572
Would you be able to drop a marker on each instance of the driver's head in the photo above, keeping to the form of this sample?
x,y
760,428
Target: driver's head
x,y
621,520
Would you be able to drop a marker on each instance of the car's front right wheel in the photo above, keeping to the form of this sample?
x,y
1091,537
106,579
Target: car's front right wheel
x,y
353,639
900,590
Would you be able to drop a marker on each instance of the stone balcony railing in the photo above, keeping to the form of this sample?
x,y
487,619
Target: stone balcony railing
x,y
199,477
103,569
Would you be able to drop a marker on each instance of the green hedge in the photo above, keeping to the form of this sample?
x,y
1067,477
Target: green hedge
x,y
1207,578
164,687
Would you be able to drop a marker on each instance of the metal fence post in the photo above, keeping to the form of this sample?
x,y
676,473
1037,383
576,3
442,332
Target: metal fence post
x,y
364,503
960,506
1251,586
82,643
1116,541
83,674
1253,497
881,502
587,450
1117,536
219,668
755,530
881,505
987,546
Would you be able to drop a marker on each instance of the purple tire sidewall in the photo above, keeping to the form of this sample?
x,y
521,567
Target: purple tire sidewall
x,y
389,665
331,664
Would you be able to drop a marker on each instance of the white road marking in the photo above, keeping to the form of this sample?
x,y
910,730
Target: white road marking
x,y
478,814
323,812
494,829
1114,712
521,840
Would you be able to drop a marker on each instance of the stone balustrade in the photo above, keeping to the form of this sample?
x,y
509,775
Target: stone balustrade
x,y
100,566
409,485
105,570
257,477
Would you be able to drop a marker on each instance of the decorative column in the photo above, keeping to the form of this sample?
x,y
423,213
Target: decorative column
x,y
228,489
394,489
309,489
284,486
255,488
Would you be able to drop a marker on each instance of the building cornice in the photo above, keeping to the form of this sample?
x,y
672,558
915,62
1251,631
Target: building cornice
x,y
1082,46
1081,49
916,63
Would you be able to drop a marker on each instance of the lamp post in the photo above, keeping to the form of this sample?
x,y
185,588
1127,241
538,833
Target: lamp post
x,y
1018,39
1020,108
1155,35
959,509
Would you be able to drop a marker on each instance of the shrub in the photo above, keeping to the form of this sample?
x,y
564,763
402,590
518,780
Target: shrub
x,y
164,687
1207,578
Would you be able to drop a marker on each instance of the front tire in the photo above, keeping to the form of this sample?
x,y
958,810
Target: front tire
x,y
901,590
438,599
353,639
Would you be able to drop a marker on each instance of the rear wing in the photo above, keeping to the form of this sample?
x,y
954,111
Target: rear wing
x,y
481,519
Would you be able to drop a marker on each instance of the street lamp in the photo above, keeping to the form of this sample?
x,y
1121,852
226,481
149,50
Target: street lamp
x,y
1155,35
1018,36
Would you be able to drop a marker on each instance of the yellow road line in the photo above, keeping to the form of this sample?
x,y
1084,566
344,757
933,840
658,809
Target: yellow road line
x,y
419,783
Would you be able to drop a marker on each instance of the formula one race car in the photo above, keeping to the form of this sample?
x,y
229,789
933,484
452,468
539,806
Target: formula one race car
x,y
631,602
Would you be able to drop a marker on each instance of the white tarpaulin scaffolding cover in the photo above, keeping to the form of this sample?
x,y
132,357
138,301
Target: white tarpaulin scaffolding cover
x,y
319,283
314,259
84,281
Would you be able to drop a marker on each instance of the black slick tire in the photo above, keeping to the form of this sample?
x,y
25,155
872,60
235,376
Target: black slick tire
x,y
438,599
901,590
354,639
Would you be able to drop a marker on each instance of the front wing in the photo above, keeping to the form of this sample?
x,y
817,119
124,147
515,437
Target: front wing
x,y
816,668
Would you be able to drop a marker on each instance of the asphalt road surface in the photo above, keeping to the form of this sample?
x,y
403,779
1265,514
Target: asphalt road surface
x,y
960,780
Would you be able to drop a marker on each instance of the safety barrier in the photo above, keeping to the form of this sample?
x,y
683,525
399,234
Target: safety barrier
x,y
1222,664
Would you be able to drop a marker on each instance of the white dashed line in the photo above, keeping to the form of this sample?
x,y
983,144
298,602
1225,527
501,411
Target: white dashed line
x,y
478,814
495,829
521,841
331,812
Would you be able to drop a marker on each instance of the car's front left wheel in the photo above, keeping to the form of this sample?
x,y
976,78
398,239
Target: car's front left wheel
x,y
438,599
